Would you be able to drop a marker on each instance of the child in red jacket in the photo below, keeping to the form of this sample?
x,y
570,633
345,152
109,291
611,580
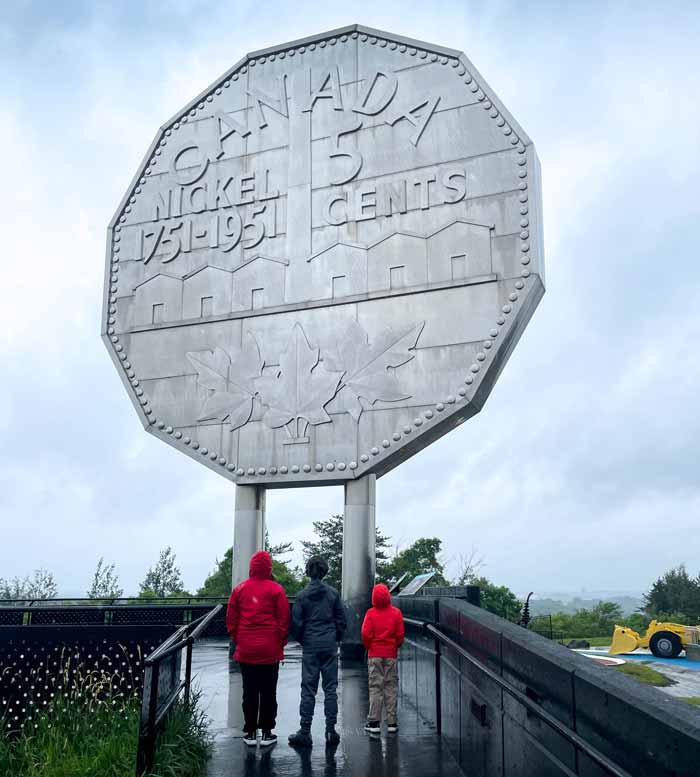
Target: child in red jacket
x,y
382,634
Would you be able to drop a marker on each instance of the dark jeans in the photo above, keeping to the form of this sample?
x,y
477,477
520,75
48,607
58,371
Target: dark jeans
x,y
314,665
259,695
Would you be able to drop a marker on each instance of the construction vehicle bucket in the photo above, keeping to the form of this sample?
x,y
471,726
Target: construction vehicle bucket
x,y
624,641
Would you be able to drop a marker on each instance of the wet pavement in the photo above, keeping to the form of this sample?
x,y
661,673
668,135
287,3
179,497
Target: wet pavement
x,y
415,751
684,673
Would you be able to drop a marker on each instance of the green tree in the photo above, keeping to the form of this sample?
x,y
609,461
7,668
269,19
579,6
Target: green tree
x,y
290,578
105,582
164,579
39,585
218,583
417,559
674,593
498,599
329,544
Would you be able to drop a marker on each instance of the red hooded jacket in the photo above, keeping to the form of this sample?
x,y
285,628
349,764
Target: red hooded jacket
x,y
257,617
382,629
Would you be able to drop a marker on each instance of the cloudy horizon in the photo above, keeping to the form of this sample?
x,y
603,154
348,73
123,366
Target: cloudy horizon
x,y
581,472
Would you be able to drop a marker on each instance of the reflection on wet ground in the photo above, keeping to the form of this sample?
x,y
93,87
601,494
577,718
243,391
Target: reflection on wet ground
x,y
415,751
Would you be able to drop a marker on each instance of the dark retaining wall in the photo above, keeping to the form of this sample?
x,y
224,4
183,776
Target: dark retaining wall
x,y
639,728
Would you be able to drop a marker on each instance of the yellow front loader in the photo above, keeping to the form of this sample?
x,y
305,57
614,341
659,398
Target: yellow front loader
x,y
665,640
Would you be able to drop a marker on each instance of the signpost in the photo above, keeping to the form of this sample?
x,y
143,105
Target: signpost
x,y
321,267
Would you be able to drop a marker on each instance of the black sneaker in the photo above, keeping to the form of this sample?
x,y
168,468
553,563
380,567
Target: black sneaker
x,y
332,737
301,739
250,738
392,728
373,727
267,739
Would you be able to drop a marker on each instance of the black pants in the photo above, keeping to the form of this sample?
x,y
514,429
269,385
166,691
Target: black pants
x,y
259,695
314,665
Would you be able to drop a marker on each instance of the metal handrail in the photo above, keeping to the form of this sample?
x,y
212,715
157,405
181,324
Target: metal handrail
x,y
152,717
562,729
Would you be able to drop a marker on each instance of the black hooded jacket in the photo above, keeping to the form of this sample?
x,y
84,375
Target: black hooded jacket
x,y
318,618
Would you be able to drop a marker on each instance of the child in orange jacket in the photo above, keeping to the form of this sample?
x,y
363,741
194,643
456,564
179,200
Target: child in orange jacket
x,y
383,635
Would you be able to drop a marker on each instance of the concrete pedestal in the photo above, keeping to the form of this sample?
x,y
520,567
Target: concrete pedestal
x,y
248,529
359,558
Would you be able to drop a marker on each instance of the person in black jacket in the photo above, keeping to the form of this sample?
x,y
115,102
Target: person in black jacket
x,y
318,624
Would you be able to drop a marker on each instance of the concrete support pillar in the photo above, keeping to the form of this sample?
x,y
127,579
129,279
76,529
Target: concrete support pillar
x,y
359,557
248,529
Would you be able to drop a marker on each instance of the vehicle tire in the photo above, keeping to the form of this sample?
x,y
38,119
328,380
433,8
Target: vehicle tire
x,y
665,644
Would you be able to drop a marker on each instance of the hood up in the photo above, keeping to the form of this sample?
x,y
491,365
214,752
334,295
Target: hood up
x,y
261,565
381,596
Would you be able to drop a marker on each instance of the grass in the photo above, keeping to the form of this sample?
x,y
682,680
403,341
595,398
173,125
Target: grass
x,y
90,729
694,700
645,674
597,641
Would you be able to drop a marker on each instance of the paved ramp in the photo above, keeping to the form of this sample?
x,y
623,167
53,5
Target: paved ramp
x,y
416,750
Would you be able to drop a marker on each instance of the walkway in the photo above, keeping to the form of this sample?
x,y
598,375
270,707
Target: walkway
x,y
415,751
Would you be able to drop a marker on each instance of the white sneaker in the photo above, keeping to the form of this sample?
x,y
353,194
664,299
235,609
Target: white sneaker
x,y
392,728
250,738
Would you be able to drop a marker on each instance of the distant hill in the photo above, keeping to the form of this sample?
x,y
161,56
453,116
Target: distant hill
x,y
629,604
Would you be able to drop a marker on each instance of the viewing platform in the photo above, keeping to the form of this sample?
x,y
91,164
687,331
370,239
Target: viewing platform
x,y
415,750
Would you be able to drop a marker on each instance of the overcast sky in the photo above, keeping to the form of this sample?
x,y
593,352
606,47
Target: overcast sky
x,y
582,471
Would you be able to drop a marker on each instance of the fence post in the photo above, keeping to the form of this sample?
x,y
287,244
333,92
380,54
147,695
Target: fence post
x,y
438,670
147,734
188,670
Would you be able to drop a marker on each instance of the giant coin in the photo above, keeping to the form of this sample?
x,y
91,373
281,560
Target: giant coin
x,y
325,259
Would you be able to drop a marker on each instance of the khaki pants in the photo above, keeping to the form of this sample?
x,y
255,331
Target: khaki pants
x,y
383,688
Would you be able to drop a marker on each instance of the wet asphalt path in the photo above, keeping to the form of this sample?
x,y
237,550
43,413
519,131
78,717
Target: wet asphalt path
x,y
415,751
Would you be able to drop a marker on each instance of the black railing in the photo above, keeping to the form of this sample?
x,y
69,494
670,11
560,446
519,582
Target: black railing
x,y
119,601
142,612
163,684
530,705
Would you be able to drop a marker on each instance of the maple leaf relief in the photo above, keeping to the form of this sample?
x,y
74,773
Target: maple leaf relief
x,y
300,390
229,381
369,367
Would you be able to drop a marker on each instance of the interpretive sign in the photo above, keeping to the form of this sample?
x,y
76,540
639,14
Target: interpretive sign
x,y
325,259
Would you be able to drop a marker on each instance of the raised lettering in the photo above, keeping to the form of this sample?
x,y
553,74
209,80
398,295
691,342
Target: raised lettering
x,y
454,181
361,204
232,229
329,89
218,196
371,107
245,189
278,104
194,191
258,227
266,194
234,126
188,173
423,184
353,154
163,208
418,117
393,198
330,218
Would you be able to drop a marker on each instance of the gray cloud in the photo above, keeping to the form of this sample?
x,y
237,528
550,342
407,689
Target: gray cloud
x,y
582,468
